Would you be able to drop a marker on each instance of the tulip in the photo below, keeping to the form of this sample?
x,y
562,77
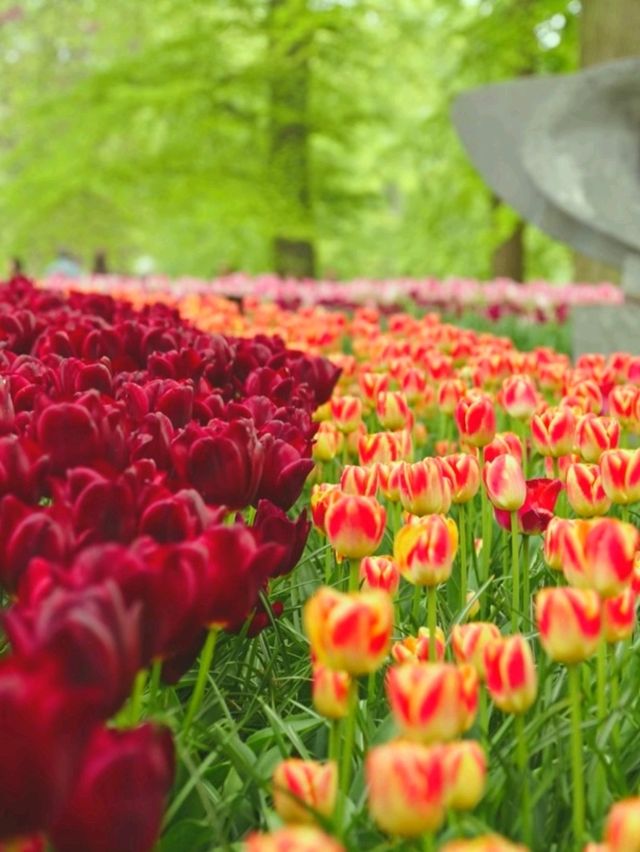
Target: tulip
x,y
557,468
553,542
622,402
390,478
380,572
346,412
293,839
469,642
407,788
361,481
450,392
271,524
321,498
504,443
327,443
511,674
599,554
414,386
120,793
424,551
380,448
304,789
463,472
465,766
330,691
536,512
476,420
622,829
429,701
595,435
504,480
620,470
619,616
519,397
585,491
553,432
286,468
372,384
355,525
424,489
349,633
570,623
416,648
486,843
392,410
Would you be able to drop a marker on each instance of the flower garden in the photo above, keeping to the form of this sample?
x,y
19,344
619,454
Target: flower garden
x,y
282,578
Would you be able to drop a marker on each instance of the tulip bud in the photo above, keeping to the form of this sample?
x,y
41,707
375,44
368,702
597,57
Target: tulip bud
x,y
504,443
373,384
346,412
570,623
424,489
485,843
519,397
327,442
553,432
450,392
355,525
470,695
511,674
594,435
414,649
349,633
553,544
429,701
463,472
360,481
322,496
380,572
469,642
414,386
293,839
476,420
619,616
407,788
504,480
599,554
390,476
424,551
620,470
622,829
330,692
585,491
304,789
465,766
392,410
622,404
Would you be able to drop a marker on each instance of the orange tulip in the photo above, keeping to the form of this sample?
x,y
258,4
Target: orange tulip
x,y
599,554
595,435
407,788
424,489
465,766
350,633
330,691
585,491
463,472
619,616
380,572
553,431
620,470
355,525
414,649
424,551
304,789
504,480
622,829
469,642
476,420
430,701
511,674
570,623
294,839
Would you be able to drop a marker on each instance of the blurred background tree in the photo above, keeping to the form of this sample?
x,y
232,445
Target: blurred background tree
x,y
303,136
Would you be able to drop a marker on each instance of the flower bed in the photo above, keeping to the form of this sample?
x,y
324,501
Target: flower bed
x,y
455,654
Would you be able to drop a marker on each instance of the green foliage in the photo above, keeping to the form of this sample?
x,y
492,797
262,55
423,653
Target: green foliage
x,y
149,128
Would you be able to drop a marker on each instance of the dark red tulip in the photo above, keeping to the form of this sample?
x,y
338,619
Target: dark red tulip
x,y
537,511
68,434
272,524
118,799
284,473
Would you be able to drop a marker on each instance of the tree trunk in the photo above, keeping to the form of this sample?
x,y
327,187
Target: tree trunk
x,y
290,176
508,259
610,30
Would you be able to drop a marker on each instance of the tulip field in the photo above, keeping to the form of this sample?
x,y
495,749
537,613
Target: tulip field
x,y
300,579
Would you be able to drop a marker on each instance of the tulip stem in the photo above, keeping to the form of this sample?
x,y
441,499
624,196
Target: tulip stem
x,y
515,571
328,565
348,742
154,685
601,677
334,739
485,555
427,843
206,658
523,769
576,755
415,607
463,555
354,575
431,622
135,707
526,577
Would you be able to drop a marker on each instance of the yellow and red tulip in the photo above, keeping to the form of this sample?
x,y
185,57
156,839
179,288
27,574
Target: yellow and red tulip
x,y
424,489
330,691
620,471
413,649
553,431
355,525
425,550
463,472
511,674
595,435
570,623
469,642
476,420
380,572
465,765
585,491
304,790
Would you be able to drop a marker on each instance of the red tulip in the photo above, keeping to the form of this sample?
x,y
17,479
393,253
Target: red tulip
x,y
537,511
